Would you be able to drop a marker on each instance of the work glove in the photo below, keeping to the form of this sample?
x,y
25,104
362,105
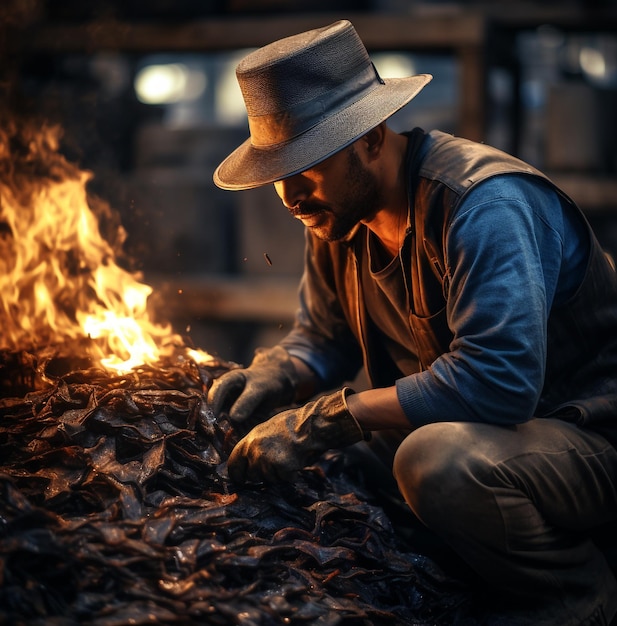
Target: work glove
x,y
268,383
293,439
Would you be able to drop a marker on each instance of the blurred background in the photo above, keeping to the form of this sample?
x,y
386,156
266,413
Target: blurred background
x,y
147,97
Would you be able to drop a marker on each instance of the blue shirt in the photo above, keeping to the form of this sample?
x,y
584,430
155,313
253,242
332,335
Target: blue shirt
x,y
515,250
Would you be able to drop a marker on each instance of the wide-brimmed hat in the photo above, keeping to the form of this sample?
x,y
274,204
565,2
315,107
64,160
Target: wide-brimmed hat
x,y
308,96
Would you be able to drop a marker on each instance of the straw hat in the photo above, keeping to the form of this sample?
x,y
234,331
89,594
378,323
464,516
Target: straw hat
x,y
308,96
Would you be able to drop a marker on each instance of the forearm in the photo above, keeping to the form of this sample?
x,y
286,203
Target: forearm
x,y
375,409
378,409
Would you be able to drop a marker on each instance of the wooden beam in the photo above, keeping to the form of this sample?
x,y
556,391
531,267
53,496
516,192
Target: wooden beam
x,y
445,30
229,298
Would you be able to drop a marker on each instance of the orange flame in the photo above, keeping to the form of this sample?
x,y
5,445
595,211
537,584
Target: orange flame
x,y
59,280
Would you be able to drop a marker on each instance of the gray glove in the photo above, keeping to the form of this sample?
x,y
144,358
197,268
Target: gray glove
x,y
268,383
293,439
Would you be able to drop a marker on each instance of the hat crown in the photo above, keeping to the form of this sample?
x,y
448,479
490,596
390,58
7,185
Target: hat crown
x,y
307,97
292,83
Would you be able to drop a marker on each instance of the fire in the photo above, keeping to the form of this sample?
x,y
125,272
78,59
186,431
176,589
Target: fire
x,y
59,278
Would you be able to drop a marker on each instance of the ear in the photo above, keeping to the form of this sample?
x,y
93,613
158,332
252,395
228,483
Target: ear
x,y
374,140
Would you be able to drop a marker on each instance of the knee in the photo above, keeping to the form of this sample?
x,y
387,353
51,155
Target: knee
x,y
434,468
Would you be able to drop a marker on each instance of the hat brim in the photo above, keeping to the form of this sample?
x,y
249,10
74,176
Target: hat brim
x,y
248,167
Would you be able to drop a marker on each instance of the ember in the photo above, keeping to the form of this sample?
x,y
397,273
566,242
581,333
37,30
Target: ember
x,y
115,504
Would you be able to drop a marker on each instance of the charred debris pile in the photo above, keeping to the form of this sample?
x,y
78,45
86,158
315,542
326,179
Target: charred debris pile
x,y
115,508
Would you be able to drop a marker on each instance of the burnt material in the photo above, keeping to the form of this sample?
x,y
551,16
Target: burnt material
x,y
115,508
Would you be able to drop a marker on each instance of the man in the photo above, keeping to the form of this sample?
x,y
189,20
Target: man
x,y
480,304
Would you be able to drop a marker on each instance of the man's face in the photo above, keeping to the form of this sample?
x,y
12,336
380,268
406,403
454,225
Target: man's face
x,y
332,197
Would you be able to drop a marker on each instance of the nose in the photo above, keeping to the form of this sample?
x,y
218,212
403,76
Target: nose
x,y
292,191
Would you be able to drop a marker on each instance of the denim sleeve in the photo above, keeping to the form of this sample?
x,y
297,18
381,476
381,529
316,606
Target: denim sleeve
x,y
504,254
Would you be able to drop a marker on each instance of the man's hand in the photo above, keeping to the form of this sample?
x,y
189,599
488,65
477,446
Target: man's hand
x,y
268,383
293,439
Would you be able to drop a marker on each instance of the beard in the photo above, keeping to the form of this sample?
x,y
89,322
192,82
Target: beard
x,y
359,200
